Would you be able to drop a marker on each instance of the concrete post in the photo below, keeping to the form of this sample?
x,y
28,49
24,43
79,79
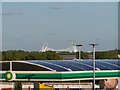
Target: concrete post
x,y
36,85
18,85
101,84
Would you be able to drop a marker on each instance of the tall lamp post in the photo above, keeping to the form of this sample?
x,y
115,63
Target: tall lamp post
x,y
93,45
79,47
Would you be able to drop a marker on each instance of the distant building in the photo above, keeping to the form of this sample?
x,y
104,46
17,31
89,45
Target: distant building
x,y
90,56
68,56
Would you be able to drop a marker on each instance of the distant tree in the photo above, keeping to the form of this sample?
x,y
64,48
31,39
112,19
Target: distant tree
x,y
112,54
51,55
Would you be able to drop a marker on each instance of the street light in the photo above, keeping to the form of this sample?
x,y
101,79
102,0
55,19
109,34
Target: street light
x,y
93,45
79,46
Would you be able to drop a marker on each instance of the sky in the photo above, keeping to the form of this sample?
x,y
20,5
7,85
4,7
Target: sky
x,y
0,27
28,25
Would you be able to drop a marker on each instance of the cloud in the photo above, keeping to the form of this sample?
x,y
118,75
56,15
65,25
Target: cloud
x,y
50,34
11,13
63,8
57,8
71,41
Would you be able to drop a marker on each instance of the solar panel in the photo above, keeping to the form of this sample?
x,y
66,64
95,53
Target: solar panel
x,y
102,67
78,65
81,65
112,66
50,65
116,62
90,64
68,65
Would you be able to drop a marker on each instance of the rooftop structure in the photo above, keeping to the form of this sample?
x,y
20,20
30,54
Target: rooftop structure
x,y
60,70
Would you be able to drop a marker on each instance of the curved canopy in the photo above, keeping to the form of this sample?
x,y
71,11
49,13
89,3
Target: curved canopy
x,y
60,70
78,65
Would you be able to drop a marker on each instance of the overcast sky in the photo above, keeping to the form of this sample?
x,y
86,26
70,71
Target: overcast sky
x,y
26,26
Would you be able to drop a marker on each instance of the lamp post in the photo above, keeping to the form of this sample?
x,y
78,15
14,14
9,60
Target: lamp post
x,y
79,47
93,45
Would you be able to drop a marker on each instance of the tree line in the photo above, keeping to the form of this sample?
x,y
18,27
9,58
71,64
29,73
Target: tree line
x,y
111,54
33,55
52,55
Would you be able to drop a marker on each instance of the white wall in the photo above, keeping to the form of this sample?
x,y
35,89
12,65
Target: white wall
x,y
6,85
26,85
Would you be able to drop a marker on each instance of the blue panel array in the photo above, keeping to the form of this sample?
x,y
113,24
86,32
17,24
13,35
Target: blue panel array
x,y
50,65
111,66
69,65
79,65
116,62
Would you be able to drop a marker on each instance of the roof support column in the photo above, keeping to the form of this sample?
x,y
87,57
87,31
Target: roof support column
x,y
10,65
18,85
101,84
36,85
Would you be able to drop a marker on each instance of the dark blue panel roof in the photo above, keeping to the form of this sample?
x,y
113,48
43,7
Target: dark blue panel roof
x,y
68,64
50,65
78,65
